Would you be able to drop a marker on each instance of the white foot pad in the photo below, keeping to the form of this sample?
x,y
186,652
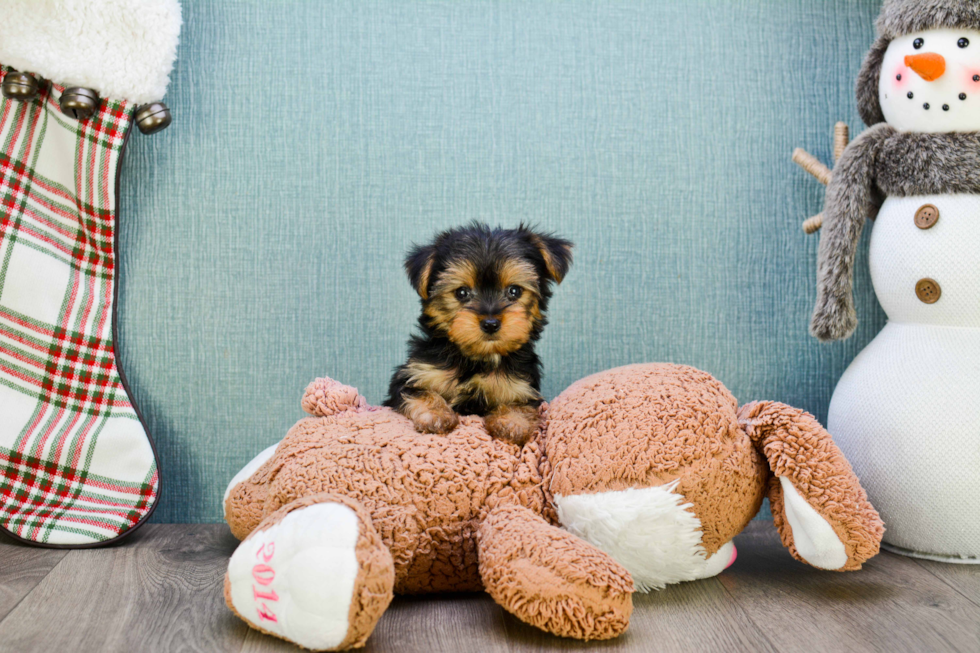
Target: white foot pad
x,y
720,561
815,539
296,578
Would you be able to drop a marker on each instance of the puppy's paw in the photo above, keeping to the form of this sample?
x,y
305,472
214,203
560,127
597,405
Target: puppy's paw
x,y
515,424
436,422
430,413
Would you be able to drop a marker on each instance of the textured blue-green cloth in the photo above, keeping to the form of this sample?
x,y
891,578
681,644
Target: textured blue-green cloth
x,y
262,234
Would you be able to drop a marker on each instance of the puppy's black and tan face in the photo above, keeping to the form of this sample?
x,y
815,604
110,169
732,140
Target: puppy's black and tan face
x,y
487,290
487,311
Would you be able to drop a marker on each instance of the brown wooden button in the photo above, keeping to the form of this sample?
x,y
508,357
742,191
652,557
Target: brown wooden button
x,y
928,291
926,217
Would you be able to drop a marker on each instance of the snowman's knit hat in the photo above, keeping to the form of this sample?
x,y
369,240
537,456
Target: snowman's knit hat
x,y
901,17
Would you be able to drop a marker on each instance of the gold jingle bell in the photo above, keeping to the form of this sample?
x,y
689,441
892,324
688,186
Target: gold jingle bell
x,y
79,103
20,86
152,118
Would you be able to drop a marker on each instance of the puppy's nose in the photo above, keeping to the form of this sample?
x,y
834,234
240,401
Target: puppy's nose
x,y
490,325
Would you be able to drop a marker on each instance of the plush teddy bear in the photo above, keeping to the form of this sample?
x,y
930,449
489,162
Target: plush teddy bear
x,y
637,478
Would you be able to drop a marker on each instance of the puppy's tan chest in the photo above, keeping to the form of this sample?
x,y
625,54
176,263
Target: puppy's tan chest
x,y
436,379
494,388
498,389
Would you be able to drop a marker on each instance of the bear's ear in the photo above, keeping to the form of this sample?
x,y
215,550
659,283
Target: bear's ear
x,y
557,253
325,397
418,266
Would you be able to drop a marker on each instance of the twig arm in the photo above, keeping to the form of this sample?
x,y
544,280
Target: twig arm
x,y
812,225
812,165
842,138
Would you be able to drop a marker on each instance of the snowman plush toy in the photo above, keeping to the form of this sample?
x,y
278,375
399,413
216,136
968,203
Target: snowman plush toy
x,y
907,411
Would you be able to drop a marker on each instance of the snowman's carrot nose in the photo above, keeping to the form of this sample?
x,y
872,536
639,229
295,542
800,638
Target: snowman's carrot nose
x,y
929,66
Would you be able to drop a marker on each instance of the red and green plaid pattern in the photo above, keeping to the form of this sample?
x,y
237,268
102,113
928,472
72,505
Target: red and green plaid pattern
x,y
76,465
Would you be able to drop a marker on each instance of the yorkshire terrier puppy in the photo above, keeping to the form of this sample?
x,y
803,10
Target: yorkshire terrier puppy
x,y
484,295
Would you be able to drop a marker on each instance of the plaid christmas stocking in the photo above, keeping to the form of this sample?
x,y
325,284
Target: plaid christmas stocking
x,y
77,467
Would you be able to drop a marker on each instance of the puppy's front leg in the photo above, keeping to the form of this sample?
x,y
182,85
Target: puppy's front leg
x,y
429,412
512,423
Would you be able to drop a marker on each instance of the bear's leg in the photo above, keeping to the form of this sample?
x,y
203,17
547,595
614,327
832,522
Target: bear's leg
x,y
818,505
245,498
315,573
552,579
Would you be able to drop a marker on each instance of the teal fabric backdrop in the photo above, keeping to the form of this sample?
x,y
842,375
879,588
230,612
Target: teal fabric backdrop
x,y
313,141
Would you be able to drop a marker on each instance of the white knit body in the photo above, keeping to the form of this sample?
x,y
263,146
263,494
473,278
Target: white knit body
x,y
906,413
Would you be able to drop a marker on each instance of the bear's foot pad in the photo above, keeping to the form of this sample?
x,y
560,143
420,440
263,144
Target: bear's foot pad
x,y
296,577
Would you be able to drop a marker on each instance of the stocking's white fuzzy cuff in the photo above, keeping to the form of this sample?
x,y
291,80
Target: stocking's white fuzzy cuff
x,y
123,49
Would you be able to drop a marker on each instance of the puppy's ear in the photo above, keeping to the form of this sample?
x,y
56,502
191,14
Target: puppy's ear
x,y
418,265
557,253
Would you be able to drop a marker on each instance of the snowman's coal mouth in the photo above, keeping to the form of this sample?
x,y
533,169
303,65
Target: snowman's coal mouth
x,y
927,106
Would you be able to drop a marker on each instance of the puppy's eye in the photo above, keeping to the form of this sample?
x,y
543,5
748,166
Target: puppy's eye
x,y
963,43
514,293
463,294
918,43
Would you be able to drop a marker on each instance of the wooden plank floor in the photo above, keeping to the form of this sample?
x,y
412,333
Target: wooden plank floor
x,y
161,591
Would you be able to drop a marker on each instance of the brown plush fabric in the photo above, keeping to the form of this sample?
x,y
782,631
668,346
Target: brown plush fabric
x,y
245,505
325,397
552,579
800,450
649,425
373,587
427,494
464,511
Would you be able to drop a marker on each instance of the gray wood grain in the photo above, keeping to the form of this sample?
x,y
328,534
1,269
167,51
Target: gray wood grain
x,y
699,616
892,605
162,591
159,590
21,569
687,617
965,579
460,622
690,617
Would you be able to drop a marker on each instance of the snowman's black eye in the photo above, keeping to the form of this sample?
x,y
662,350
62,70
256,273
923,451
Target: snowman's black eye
x,y
963,43
918,43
